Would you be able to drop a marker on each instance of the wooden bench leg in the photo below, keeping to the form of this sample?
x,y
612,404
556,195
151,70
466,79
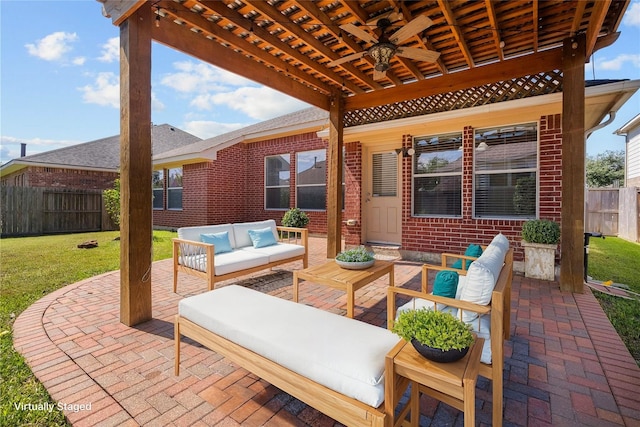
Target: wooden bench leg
x,y
176,338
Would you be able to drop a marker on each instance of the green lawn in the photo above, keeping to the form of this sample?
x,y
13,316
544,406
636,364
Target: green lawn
x,y
32,267
618,260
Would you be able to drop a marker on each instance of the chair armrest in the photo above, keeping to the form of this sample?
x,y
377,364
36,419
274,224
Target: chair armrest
x,y
297,235
446,256
436,299
192,247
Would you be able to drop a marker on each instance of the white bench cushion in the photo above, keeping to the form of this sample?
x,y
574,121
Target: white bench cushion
x,y
277,252
343,354
241,231
230,262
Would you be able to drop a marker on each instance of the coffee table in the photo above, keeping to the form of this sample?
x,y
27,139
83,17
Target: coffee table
x,y
332,275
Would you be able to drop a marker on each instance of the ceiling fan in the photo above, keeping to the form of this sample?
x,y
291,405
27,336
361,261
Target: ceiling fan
x,y
385,46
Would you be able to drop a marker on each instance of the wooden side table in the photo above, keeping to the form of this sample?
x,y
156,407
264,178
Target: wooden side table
x,y
453,383
332,275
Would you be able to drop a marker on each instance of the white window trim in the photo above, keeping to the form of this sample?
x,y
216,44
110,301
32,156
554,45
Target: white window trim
x,y
536,170
174,188
275,186
311,185
428,175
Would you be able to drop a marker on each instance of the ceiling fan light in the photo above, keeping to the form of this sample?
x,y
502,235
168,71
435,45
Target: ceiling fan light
x,y
382,53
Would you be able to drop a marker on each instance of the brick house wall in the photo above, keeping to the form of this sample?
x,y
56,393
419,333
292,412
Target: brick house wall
x,y
231,189
437,235
38,176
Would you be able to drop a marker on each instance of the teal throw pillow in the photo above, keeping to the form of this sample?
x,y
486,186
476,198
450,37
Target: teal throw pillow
x,y
219,240
472,250
446,284
262,237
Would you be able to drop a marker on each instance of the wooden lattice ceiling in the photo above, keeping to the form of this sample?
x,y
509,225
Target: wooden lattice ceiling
x,y
289,44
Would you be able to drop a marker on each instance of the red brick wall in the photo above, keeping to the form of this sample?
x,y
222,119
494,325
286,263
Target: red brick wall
x,y
36,176
231,189
435,235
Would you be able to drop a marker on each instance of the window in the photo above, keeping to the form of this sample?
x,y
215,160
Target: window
x,y
311,180
385,174
506,171
158,189
437,175
276,180
174,189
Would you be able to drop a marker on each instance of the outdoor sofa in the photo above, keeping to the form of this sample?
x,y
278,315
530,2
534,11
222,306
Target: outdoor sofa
x,y
236,249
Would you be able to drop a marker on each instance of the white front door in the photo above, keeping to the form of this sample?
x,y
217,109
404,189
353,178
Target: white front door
x,y
382,196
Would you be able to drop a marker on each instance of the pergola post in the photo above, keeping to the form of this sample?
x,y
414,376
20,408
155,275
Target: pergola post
x,y
334,178
135,167
573,165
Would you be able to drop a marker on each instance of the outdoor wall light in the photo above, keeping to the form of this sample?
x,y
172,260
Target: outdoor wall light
x,y
406,151
382,53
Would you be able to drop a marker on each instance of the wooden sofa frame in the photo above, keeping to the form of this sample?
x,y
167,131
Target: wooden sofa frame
x,y
499,309
348,411
295,235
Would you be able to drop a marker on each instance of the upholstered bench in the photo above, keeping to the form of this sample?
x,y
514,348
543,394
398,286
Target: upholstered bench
x,y
333,363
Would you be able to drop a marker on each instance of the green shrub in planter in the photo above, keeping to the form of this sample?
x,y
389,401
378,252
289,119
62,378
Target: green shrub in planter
x,y
541,231
435,329
294,217
359,254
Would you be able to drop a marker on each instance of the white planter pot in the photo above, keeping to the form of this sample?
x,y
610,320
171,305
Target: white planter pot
x,y
539,261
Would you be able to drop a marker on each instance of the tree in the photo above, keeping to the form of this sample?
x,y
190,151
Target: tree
x,y
605,168
112,202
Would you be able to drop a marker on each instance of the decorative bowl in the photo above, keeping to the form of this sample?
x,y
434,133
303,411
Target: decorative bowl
x,y
437,355
356,265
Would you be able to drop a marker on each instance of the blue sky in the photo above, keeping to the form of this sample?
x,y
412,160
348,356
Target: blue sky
x,y
59,81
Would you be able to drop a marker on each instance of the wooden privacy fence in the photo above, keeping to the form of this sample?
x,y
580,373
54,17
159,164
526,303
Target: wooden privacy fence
x,y
614,212
29,211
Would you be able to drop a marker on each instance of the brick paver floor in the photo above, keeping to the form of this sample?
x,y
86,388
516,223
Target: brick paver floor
x,y
565,365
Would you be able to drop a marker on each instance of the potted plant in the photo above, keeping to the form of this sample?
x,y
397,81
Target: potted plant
x,y
436,335
540,238
294,217
355,259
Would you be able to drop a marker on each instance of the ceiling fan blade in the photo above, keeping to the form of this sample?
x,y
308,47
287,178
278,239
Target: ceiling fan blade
x,y
418,54
420,23
346,58
379,75
359,33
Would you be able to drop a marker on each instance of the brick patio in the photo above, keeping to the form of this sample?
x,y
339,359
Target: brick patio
x,y
565,364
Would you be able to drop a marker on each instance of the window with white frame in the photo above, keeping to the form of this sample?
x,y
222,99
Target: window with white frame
x,y
158,189
277,174
505,181
174,188
437,175
311,180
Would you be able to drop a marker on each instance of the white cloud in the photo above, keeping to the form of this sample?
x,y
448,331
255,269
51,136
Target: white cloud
x,y
192,77
11,146
52,47
207,129
104,91
80,60
619,62
260,103
632,15
110,50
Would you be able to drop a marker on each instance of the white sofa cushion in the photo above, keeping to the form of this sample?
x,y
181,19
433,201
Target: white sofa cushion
x,y
230,262
277,252
193,233
343,354
241,231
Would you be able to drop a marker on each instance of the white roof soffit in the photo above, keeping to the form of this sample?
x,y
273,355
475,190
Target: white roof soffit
x,y
624,90
630,125
17,164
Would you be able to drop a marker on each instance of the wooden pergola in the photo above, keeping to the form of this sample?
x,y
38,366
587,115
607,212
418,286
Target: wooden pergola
x,y
297,46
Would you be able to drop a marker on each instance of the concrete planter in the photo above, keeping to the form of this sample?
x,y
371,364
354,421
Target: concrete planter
x,y
539,261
